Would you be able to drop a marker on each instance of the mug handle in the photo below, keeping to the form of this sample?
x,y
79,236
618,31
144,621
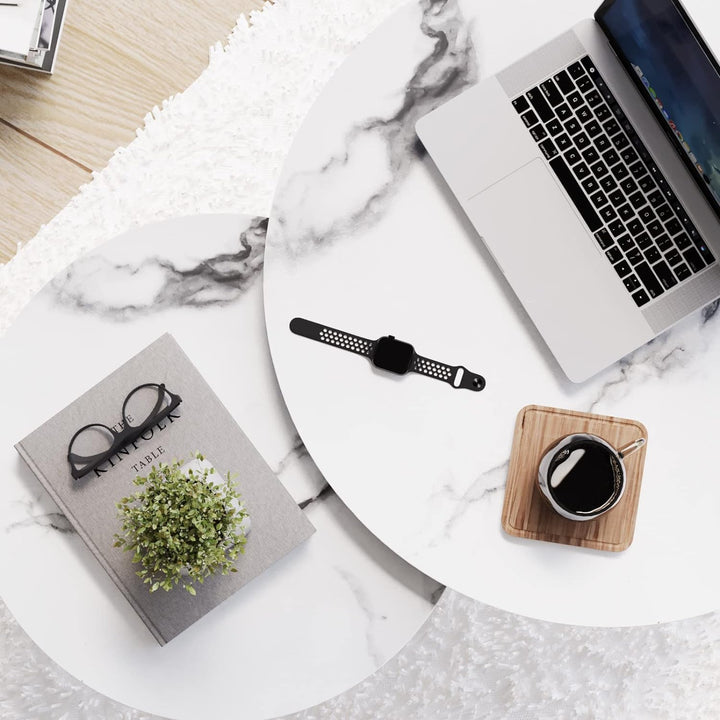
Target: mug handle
x,y
631,448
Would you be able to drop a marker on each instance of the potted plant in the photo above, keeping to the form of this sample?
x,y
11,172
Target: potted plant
x,y
184,524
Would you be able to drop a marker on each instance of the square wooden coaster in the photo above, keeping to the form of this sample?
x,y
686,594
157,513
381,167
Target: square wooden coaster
x,y
526,512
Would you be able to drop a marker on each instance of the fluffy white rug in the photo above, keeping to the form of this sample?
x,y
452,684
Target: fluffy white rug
x,y
219,147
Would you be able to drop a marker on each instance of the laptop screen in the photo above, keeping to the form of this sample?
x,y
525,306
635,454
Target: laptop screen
x,y
677,75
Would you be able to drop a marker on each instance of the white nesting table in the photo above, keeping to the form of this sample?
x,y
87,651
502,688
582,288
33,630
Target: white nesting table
x,y
323,618
365,237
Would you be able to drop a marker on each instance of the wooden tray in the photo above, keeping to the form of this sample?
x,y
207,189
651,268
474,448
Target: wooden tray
x,y
527,514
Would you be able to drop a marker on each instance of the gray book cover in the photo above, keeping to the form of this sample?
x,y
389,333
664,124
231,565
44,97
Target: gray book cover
x,y
200,422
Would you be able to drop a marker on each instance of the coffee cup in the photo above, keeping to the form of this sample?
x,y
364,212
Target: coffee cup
x,y
583,476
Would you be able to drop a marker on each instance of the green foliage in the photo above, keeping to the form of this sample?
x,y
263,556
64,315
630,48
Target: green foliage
x,y
181,528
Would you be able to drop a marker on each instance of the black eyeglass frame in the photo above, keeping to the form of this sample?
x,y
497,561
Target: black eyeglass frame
x,y
128,434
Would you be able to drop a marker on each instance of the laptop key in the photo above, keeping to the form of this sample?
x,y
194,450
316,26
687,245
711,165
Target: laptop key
x,y
652,254
644,241
622,268
637,199
575,100
654,228
608,213
573,156
599,199
704,251
620,172
614,254
629,156
593,99
673,257
602,113
551,93
626,212
583,114
584,83
665,274
548,149
590,184
564,82
576,70
538,132
599,169
664,212
693,259
582,141
608,183
682,272
573,189
581,171
648,279
563,142
641,298
646,214
611,158
611,127
616,228
626,243
638,170
631,282
629,186
590,155
563,111
656,198
540,104
646,183
554,127
573,126
529,118
635,256
603,238
617,197
521,104
683,241
635,227
602,143
664,243
620,142
593,128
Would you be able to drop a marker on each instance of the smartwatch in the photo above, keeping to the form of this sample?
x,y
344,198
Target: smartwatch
x,y
388,353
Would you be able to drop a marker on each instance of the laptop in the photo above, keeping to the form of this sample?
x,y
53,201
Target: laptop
x,y
591,170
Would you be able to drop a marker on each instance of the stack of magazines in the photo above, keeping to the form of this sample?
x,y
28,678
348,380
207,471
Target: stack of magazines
x,y
30,32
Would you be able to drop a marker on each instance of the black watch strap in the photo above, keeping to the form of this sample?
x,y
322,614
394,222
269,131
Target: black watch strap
x,y
455,375
331,336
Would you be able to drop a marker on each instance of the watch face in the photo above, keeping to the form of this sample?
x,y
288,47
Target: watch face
x,y
393,355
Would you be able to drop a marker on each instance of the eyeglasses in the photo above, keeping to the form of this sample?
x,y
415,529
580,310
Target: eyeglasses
x,y
96,443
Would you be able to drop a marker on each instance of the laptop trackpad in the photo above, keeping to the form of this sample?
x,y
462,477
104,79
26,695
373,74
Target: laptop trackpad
x,y
565,283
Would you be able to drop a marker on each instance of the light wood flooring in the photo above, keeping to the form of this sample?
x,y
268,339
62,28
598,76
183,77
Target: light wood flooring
x,y
116,62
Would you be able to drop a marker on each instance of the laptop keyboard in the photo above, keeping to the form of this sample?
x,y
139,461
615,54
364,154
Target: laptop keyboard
x,y
614,183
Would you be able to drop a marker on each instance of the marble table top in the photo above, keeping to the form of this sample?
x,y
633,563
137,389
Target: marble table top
x,y
365,237
319,621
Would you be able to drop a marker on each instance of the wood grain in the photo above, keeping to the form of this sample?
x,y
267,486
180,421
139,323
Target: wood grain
x,y
527,514
116,62
35,184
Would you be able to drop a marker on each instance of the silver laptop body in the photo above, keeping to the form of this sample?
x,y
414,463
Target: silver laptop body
x,y
570,283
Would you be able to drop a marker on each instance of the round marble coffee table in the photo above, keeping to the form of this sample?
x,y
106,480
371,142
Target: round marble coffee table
x,y
319,621
366,238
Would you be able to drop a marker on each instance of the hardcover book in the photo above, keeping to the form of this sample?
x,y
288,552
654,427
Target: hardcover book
x,y
198,422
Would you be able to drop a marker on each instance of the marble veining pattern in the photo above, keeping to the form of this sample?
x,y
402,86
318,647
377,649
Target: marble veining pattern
x,y
448,67
216,280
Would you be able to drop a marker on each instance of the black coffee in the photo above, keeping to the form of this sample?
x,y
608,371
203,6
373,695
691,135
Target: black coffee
x,y
584,477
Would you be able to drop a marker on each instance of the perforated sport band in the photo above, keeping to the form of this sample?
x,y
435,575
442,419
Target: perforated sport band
x,y
455,375
331,336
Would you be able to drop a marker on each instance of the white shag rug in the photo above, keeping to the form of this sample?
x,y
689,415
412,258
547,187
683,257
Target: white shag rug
x,y
219,147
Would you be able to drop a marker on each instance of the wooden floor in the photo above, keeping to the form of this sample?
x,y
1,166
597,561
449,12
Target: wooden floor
x,y
116,61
